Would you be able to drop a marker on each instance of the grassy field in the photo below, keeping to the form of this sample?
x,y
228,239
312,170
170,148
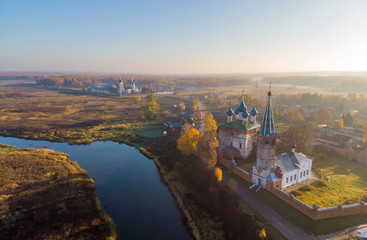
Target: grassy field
x,y
45,196
61,116
342,181
149,131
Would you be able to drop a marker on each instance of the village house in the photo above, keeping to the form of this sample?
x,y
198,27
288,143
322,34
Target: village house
x,y
335,140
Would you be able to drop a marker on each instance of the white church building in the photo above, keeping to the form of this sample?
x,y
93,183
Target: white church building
x,y
121,89
279,171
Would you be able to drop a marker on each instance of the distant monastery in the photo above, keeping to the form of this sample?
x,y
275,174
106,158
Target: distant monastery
x,y
121,89
241,135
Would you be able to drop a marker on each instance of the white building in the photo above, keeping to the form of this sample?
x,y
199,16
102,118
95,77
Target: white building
x,y
127,90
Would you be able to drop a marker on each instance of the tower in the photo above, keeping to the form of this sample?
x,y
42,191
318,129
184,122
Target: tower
x,y
229,114
120,87
244,117
240,110
253,114
266,141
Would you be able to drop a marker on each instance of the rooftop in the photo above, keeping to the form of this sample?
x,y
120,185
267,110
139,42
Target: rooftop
x,y
289,161
237,124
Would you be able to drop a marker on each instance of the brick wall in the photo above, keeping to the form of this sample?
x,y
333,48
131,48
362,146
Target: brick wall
x,y
313,212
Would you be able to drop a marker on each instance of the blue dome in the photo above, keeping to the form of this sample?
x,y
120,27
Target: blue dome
x,y
241,108
229,112
245,114
253,111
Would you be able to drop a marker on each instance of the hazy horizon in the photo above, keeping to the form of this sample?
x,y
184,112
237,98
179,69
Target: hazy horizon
x,y
163,37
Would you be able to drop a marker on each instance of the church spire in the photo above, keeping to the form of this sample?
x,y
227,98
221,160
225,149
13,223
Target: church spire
x,y
267,126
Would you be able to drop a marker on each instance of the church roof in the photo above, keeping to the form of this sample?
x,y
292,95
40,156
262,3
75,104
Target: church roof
x,y
237,124
289,161
245,114
241,108
230,111
267,126
253,111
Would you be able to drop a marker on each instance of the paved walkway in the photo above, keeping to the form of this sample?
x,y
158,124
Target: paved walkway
x,y
282,225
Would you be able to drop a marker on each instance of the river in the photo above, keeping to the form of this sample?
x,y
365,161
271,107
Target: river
x,y
128,186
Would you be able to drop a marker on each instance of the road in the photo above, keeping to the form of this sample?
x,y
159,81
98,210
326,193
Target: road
x,y
202,113
282,225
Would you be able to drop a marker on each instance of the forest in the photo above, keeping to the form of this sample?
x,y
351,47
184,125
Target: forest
x,y
86,79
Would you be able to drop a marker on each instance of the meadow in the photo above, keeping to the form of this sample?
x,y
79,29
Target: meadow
x,y
69,116
342,181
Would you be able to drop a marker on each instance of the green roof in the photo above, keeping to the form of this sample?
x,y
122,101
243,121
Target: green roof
x,y
238,125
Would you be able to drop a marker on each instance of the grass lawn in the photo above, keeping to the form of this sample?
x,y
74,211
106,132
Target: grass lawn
x,y
343,182
246,164
149,131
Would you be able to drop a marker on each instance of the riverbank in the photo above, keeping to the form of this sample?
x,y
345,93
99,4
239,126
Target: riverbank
x,y
44,195
214,222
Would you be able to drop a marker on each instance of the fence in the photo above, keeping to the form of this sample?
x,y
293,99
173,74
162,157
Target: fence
x,y
313,212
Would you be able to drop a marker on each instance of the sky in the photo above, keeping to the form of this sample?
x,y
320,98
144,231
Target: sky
x,y
191,36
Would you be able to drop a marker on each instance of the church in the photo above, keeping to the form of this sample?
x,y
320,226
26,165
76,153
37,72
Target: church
x,y
242,136
131,88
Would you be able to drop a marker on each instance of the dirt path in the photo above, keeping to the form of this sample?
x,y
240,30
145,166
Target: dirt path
x,y
202,113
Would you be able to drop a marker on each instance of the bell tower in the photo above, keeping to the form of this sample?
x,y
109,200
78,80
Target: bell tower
x,y
266,141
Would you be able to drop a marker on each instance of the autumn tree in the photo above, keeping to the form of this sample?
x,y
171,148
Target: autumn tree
x,y
188,140
323,115
262,233
182,106
207,149
209,123
195,102
294,115
219,174
151,109
341,123
137,99
365,133
301,135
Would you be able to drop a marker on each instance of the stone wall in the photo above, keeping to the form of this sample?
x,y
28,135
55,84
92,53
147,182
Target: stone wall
x,y
313,212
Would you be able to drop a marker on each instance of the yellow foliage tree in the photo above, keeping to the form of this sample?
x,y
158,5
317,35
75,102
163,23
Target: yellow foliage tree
x,y
188,140
219,174
210,123
341,123
262,234
182,107
137,99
